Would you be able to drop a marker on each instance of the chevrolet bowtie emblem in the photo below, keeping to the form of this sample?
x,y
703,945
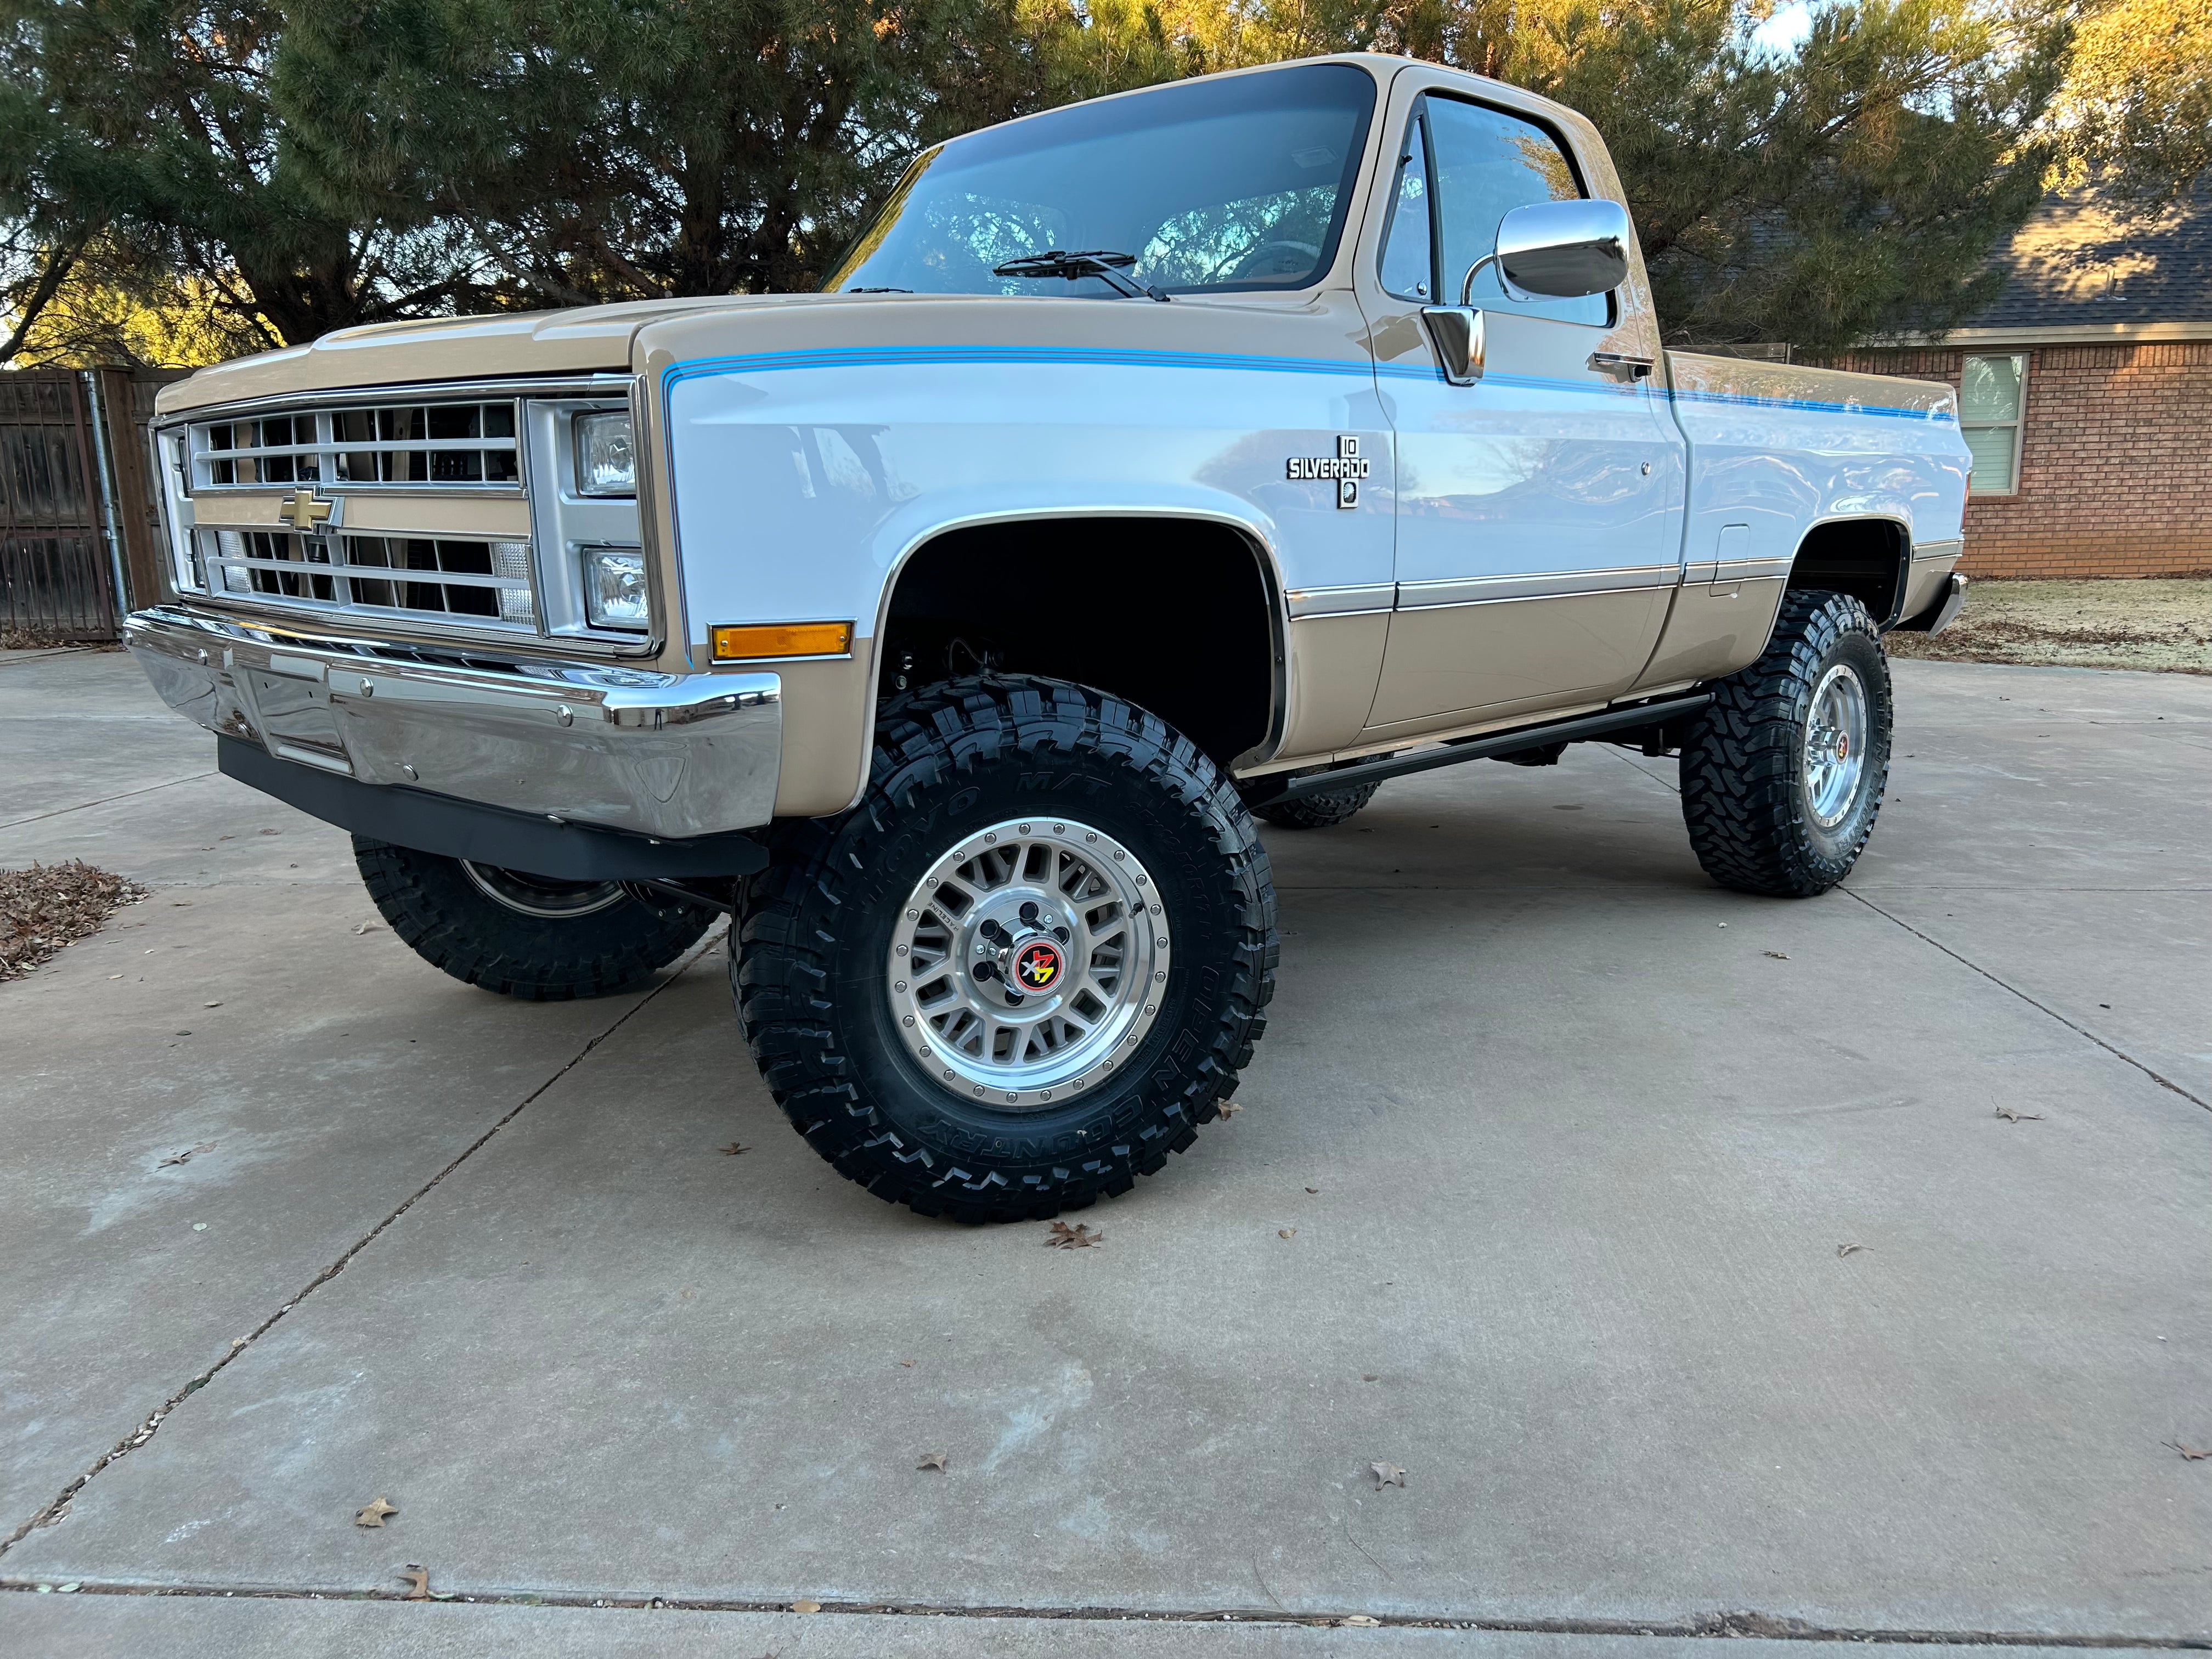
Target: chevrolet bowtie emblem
x,y
303,510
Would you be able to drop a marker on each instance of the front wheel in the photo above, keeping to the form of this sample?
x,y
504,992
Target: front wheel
x,y
1025,967
523,935
1783,773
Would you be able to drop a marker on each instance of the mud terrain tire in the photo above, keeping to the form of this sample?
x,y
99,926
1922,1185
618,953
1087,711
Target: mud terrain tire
x,y
1750,798
812,981
1323,812
586,942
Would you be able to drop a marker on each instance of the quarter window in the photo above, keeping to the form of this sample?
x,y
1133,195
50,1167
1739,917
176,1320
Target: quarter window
x,y
1992,394
1462,167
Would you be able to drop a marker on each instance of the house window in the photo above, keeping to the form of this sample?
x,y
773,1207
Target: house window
x,y
1991,399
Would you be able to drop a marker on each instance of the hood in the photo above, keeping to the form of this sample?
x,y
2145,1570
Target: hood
x,y
587,339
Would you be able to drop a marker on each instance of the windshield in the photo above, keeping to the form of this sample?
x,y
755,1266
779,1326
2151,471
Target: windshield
x,y
1214,186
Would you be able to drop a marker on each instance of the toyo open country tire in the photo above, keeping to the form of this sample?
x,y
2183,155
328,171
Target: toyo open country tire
x,y
1783,773
1011,826
523,936
1320,811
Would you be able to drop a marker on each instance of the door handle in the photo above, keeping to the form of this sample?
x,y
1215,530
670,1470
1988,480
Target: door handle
x,y
1457,333
1621,366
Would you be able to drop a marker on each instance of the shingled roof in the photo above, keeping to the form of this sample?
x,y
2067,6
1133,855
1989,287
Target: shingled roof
x,y
2077,262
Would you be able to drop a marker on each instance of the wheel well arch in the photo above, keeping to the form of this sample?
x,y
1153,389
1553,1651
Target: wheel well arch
x,y
1869,558
1181,614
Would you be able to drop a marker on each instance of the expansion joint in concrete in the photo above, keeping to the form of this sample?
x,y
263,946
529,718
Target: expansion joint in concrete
x,y
154,1420
1733,1624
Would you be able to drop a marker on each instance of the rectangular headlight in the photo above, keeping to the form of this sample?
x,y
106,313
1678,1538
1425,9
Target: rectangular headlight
x,y
606,460
614,588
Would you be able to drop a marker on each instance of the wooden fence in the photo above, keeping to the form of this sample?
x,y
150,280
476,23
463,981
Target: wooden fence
x,y
79,542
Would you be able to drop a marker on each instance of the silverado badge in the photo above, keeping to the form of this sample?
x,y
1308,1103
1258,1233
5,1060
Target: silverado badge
x,y
1347,466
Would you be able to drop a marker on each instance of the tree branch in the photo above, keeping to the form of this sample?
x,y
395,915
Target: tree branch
x,y
60,260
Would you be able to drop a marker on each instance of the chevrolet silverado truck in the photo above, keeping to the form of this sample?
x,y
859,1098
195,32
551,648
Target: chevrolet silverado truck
x,y
1217,450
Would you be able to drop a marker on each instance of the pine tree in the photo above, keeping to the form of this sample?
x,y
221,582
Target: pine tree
x,y
615,148
145,127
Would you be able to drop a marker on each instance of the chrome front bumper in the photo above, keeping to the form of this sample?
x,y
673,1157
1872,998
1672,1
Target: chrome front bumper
x,y
673,755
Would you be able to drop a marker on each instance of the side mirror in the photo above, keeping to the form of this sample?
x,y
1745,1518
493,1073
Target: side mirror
x,y
1561,251
1546,251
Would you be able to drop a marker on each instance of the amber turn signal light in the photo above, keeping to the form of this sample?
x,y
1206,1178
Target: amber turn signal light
x,y
746,641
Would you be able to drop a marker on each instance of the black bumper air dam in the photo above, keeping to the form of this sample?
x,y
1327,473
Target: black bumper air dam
x,y
485,834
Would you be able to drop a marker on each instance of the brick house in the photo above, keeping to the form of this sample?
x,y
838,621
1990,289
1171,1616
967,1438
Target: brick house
x,y
2086,394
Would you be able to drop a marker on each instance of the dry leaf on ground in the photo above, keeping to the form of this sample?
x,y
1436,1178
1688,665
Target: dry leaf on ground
x,y
1362,1621
931,1460
45,907
2011,1116
1386,1474
367,926
1779,956
418,1583
732,1149
1848,1249
1313,1189
1230,1106
378,1508
805,1606
2189,1454
1286,1232
1065,1237
186,1155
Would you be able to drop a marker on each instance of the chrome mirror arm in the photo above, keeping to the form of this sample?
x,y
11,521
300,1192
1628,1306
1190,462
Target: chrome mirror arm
x,y
1467,288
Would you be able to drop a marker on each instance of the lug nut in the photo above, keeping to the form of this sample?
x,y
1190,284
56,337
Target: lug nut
x,y
1029,912
987,970
1013,999
1062,935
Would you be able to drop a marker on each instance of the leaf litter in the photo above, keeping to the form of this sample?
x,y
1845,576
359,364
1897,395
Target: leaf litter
x,y
49,905
186,1155
1061,1237
1386,1474
373,1513
931,1460
2011,1116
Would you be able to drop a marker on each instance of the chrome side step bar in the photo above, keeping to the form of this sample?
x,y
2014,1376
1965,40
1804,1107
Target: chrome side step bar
x,y
1490,746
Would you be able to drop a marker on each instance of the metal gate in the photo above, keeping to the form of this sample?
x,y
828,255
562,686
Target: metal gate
x,y
60,566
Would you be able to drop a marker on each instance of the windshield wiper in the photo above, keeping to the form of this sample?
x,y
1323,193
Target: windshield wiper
x,y
1102,263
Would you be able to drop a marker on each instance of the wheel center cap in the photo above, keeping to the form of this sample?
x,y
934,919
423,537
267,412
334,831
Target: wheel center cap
x,y
1038,966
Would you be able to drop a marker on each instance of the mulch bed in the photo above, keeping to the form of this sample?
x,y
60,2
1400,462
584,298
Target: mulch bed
x,y
45,907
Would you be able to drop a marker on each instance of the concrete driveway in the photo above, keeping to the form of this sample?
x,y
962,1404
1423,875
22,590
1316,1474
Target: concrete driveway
x,y
1540,1191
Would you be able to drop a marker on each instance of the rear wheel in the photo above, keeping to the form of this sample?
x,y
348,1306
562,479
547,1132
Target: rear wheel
x,y
1320,811
1025,967
524,935
1782,773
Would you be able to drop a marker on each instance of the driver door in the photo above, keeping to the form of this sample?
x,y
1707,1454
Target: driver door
x,y
1540,509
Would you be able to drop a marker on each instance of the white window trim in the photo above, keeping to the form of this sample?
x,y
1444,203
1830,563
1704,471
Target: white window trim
x,y
2018,424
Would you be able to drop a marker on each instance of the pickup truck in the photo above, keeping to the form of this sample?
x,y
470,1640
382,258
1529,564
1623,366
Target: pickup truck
x,y
1216,450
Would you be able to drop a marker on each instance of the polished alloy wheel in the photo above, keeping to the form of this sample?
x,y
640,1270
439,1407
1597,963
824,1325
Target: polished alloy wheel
x,y
536,896
1027,962
1835,744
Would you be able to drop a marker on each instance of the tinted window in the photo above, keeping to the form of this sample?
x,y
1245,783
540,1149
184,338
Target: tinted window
x,y
1237,184
1475,165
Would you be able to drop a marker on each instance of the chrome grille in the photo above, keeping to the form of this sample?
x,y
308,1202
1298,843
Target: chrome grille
x,y
442,578
462,445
